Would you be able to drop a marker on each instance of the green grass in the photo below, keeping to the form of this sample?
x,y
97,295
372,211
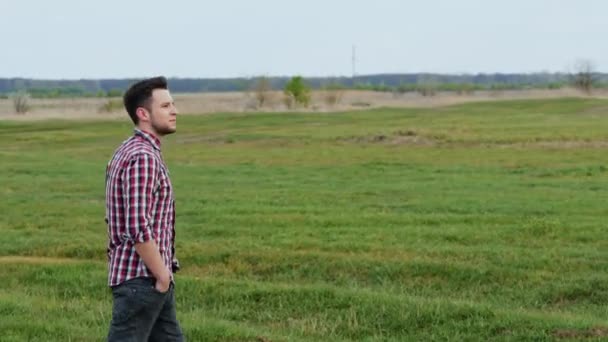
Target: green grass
x,y
483,221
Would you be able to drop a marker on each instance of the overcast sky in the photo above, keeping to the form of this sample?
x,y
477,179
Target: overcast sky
x,y
73,39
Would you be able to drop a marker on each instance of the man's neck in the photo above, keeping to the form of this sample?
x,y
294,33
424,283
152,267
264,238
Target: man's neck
x,y
149,130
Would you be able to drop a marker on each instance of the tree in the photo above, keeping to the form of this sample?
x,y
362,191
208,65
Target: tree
x,y
297,91
262,89
333,93
427,85
21,101
583,76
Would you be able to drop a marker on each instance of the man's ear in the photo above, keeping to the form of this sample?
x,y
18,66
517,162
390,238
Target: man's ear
x,y
142,114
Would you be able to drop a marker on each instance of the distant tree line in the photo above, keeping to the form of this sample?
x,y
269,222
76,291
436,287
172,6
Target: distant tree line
x,y
380,82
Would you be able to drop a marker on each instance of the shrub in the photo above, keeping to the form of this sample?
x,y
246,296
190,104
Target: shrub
x,y
427,89
427,86
261,89
333,94
21,101
110,106
298,91
288,100
114,93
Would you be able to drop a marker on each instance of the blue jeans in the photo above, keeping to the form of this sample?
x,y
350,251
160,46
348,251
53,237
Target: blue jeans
x,y
141,313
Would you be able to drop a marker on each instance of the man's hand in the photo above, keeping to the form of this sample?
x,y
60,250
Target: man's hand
x,y
163,282
149,253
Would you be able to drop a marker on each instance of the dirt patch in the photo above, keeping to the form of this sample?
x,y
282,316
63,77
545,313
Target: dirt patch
x,y
577,334
558,144
401,137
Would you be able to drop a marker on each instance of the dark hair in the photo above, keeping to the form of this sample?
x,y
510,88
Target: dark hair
x,y
139,94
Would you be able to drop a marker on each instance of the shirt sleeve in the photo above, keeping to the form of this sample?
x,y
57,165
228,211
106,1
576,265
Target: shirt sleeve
x,y
139,180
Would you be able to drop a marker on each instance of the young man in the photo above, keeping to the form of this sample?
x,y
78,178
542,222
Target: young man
x,y
140,215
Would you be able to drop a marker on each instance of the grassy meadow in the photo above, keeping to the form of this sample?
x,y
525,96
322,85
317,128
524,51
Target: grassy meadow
x,y
475,222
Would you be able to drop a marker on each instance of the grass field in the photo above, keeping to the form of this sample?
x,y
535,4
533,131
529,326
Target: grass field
x,y
481,221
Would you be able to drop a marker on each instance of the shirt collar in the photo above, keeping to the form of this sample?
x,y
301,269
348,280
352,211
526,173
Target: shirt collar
x,y
153,140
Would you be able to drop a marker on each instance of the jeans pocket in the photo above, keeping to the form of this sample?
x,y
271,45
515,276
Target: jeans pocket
x,y
155,290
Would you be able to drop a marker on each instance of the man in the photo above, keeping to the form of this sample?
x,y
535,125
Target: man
x,y
140,215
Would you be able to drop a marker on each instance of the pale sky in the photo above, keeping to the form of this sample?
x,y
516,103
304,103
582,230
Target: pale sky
x,y
72,39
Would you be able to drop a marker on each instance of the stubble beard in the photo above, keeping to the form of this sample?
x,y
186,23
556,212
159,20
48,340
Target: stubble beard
x,y
164,130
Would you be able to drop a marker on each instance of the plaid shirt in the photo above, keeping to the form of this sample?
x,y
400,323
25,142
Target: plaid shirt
x,y
139,207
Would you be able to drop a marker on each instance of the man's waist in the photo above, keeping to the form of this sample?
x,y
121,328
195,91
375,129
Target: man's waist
x,y
148,281
117,278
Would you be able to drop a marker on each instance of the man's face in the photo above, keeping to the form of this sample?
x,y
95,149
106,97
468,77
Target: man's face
x,y
163,113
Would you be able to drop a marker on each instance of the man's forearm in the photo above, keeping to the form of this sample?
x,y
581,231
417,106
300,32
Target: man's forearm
x,y
148,251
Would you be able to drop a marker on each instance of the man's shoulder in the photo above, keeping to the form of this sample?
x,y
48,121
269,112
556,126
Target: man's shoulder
x,y
131,150
134,148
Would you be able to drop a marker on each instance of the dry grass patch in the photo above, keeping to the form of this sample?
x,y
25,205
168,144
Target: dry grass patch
x,y
238,102
33,260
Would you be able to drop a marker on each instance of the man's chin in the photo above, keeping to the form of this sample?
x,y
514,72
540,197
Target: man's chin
x,y
170,130
166,131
